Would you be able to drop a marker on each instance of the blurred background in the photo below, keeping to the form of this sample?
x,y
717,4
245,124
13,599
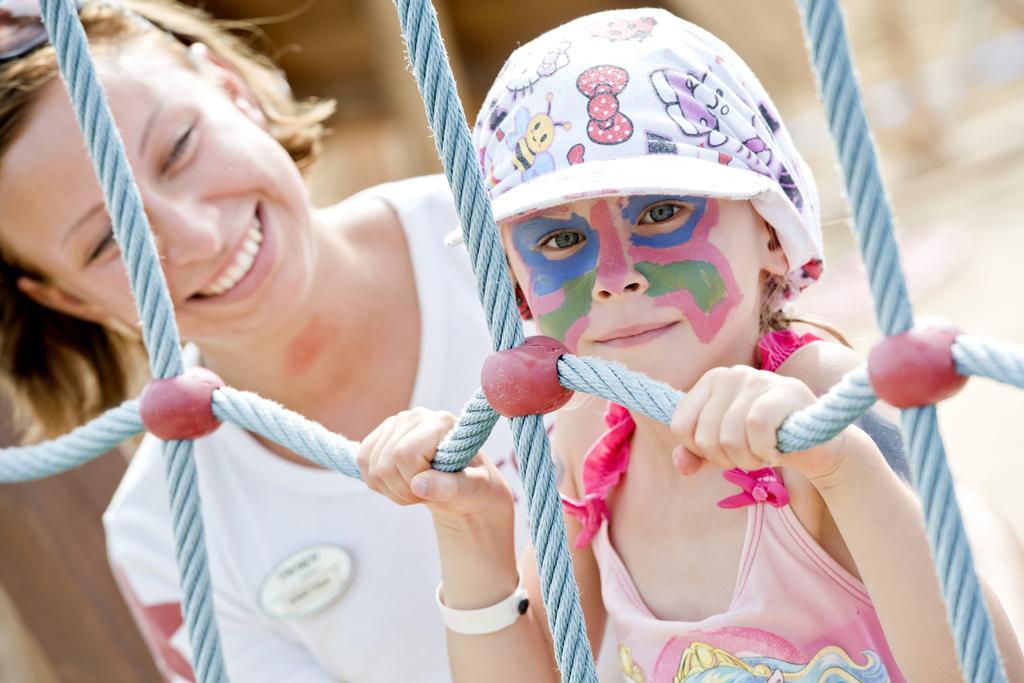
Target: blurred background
x,y
944,86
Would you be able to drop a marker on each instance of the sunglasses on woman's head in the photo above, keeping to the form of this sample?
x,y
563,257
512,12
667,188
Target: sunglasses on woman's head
x,y
21,28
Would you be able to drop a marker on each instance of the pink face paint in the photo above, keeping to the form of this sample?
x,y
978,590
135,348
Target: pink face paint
x,y
611,261
685,271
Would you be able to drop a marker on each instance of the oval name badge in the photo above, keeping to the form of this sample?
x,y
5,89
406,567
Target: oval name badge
x,y
306,582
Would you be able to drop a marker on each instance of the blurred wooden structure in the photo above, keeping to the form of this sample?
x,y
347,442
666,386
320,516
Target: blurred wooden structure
x,y
61,616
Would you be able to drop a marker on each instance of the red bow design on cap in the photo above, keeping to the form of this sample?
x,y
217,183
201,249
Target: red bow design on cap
x,y
602,84
759,486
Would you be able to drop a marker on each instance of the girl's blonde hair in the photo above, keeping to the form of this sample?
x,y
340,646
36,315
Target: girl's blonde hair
x,y
771,317
60,370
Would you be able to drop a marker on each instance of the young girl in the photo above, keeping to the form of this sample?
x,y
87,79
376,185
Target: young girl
x,y
334,312
655,212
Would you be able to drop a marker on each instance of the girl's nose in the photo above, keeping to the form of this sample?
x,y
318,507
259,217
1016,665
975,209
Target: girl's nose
x,y
613,281
186,233
616,273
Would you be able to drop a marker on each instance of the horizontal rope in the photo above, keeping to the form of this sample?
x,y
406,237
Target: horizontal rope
x,y
85,443
841,406
989,358
287,428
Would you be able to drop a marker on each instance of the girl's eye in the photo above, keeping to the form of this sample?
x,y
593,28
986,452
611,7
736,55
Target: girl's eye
x,y
180,146
562,240
660,213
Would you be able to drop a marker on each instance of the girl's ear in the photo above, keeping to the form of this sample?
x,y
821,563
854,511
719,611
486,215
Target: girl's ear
x,y
53,297
213,68
773,257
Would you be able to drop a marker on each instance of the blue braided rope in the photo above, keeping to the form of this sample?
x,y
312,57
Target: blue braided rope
x,y
471,431
841,406
159,330
965,608
989,358
447,119
26,463
309,439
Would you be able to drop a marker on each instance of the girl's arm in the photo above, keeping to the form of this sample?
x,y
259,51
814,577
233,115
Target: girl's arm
x,y
473,518
881,523
730,418
998,554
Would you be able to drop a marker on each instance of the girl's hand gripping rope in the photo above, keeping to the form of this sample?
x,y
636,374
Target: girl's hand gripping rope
x,y
730,418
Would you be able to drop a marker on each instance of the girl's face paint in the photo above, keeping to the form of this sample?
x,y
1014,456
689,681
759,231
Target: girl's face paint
x,y
561,256
683,269
602,249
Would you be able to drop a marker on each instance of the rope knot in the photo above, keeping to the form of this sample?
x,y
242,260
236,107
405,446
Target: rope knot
x,y
180,407
916,367
524,380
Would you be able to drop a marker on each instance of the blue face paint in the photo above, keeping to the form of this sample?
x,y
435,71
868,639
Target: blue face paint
x,y
636,207
549,275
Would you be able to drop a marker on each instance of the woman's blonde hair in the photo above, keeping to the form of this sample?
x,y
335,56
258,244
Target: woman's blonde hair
x,y
60,370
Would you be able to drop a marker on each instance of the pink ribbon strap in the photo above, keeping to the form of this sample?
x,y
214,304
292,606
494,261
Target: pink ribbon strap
x,y
603,467
759,486
778,345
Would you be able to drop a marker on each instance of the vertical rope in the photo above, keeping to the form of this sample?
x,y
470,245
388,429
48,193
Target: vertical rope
x,y
547,529
965,608
159,331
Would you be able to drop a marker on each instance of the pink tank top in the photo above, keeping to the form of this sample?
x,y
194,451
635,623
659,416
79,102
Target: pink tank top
x,y
795,614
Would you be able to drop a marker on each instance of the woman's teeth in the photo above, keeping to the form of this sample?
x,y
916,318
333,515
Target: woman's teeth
x,y
241,265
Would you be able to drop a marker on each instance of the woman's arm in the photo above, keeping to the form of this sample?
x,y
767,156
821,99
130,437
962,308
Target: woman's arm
x,y
473,518
476,574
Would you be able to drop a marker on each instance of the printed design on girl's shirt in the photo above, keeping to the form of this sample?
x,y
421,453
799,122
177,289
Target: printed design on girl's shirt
x,y
539,62
692,661
738,131
623,28
532,137
601,86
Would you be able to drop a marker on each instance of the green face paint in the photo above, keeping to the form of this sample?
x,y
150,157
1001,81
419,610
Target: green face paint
x,y
572,312
700,278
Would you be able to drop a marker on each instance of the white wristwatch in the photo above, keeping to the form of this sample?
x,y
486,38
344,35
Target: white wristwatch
x,y
478,622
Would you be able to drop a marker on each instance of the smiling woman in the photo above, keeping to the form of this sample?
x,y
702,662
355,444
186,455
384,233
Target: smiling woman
x,y
324,310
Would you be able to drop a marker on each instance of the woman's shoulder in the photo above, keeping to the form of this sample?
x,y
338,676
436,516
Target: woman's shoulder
x,y
409,200
418,212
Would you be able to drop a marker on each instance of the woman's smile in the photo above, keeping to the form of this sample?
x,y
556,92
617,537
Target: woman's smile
x,y
247,266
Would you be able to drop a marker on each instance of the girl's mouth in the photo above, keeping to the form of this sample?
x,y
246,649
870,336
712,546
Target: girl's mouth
x,y
636,334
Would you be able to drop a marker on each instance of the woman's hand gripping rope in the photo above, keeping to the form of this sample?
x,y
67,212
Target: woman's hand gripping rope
x,y
395,460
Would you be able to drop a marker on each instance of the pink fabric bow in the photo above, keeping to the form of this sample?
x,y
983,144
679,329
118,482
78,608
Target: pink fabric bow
x,y
759,486
603,467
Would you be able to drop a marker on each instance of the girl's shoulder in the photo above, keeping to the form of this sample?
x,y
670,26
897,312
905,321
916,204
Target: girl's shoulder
x,y
821,364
